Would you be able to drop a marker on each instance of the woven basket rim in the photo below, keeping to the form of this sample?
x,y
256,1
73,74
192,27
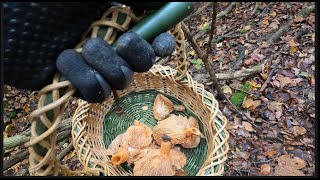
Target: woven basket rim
x,y
162,72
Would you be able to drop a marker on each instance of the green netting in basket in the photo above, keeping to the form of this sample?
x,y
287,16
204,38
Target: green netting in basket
x,y
115,124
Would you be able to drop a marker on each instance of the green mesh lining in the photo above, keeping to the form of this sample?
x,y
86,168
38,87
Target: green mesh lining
x,y
132,103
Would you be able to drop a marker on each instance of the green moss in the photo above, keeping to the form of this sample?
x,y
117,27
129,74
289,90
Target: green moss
x,y
238,97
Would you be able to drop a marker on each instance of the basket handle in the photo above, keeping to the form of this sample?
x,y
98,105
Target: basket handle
x,y
53,98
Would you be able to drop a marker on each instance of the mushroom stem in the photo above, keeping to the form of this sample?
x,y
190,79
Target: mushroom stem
x,y
179,107
165,148
193,131
120,157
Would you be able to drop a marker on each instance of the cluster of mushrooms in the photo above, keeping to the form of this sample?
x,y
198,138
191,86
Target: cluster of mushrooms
x,y
153,152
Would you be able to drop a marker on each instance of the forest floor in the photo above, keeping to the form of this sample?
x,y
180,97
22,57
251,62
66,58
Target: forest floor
x,y
271,114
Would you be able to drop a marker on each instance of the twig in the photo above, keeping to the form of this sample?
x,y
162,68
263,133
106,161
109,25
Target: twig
x,y
24,137
203,56
300,33
65,151
15,159
219,16
263,87
243,91
242,115
256,7
205,60
23,154
198,11
305,12
265,10
241,53
228,9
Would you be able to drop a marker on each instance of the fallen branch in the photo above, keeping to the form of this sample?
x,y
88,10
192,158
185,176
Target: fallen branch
x,y
263,87
200,53
198,11
208,65
241,54
228,9
15,159
65,151
300,33
240,73
256,7
265,10
305,12
24,137
219,16
23,154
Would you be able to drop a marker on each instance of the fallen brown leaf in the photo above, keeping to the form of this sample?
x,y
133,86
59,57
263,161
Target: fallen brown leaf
x,y
288,166
299,19
250,104
294,143
298,130
226,89
283,80
273,14
265,169
270,153
247,126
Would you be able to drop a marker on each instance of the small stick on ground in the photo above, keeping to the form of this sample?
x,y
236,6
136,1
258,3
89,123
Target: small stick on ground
x,y
198,11
300,33
265,9
256,7
23,154
65,151
205,60
219,16
242,115
202,55
305,12
263,87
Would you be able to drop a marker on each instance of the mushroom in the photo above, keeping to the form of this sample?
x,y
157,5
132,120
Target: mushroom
x,y
139,135
162,107
159,162
131,145
182,130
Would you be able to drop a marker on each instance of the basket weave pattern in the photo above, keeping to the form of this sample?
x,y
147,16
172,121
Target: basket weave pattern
x,y
88,119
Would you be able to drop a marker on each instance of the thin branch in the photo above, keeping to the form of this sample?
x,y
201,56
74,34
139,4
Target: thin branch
x,y
219,16
15,159
263,87
205,60
200,53
265,9
24,137
65,151
256,7
305,12
23,154
198,11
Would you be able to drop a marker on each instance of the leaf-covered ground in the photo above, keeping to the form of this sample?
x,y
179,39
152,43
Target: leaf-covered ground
x,y
272,119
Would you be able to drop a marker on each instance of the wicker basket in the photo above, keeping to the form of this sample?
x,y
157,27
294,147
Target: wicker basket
x,y
94,126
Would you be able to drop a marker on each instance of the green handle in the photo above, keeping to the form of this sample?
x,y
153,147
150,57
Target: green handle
x,y
161,20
